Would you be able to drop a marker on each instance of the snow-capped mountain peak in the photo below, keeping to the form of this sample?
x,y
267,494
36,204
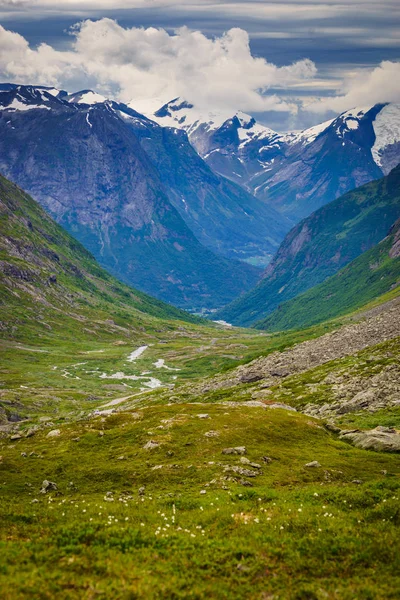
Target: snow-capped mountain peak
x,y
23,98
86,97
387,131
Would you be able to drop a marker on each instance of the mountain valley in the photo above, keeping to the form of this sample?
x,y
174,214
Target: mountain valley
x,y
148,453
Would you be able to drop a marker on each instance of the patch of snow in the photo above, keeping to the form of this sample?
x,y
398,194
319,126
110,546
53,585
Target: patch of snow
x,y
150,382
308,135
136,353
387,130
352,123
17,105
87,120
87,97
160,364
224,323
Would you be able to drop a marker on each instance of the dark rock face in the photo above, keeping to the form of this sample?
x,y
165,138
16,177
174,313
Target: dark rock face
x,y
87,166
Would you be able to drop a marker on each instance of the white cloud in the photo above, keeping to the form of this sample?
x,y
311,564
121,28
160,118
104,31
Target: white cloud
x,y
138,63
363,88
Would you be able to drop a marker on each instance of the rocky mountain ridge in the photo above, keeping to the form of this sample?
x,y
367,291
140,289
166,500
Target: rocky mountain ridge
x,y
296,173
100,174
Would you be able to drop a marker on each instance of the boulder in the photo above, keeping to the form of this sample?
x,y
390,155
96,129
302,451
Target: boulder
x,y
54,433
236,450
281,406
380,439
48,486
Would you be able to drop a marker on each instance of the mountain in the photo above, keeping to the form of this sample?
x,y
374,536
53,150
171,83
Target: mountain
x,y
366,278
87,166
223,216
321,245
296,173
51,286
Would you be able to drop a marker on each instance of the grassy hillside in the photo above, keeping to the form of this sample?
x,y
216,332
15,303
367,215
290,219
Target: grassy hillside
x,y
51,286
320,246
369,276
179,518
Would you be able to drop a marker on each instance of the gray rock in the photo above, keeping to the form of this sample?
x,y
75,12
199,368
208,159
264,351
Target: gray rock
x,y
313,464
142,491
151,445
16,437
48,486
281,406
54,433
380,439
332,427
267,459
245,483
250,377
211,434
203,416
241,471
236,450
246,461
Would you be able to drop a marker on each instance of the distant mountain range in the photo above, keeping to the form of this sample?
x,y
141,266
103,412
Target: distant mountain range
x,y
136,195
319,246
191,222
296,173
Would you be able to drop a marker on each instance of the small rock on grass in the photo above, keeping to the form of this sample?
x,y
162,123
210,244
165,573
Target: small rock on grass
x,y
54,433
245,483
246,461
151,445
48,486
236,450
313,464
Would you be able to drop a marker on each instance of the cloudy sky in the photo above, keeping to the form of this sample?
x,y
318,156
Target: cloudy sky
x,y
291,63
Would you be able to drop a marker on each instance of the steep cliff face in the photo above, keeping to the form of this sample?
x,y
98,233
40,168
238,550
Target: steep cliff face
x,y
89,170
296,173
320,246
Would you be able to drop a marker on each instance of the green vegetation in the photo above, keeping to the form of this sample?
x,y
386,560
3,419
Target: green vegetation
x,y
51,286
320,246
297,533
368,277
177,517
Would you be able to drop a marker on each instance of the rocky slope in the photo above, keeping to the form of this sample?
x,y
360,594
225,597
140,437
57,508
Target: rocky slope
x,y
321,245
372,329
296,173
88,169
